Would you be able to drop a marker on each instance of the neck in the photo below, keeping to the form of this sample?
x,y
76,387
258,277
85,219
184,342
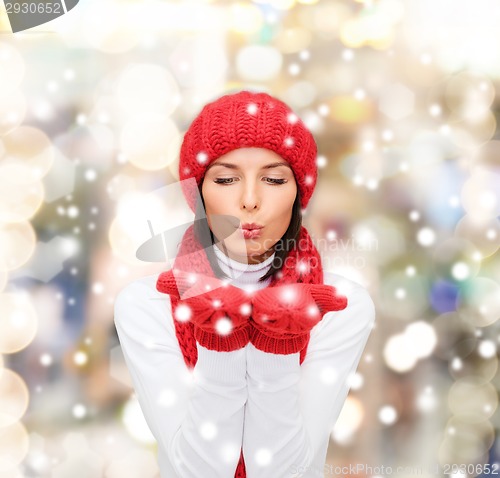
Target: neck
x,y
252,259
244,276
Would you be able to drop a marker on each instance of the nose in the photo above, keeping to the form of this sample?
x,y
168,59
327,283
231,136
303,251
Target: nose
x,y
250,198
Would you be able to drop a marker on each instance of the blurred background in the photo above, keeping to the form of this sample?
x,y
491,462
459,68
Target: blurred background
x,y
401,97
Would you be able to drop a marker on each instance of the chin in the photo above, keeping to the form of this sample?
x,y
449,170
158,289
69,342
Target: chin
x,y
242,251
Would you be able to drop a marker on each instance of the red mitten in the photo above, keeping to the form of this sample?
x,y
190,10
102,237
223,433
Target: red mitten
x,y
177,283
219,312
282,318
327,298
284,328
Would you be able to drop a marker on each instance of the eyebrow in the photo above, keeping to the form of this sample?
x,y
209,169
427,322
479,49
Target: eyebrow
x,y
235,166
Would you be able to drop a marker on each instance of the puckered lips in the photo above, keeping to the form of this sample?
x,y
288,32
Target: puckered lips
x,y
251,230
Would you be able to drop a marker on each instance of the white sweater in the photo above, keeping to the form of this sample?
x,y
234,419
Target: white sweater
x,y
279,411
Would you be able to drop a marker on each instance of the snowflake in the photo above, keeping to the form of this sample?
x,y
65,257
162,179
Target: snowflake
x,y
79,410
208,430
202,157
252,108
167,398
302,267
264,318
305,55
224,326
46,360
328,375
182,313
294,69
246,309
263,457
230,452
288,295
312,311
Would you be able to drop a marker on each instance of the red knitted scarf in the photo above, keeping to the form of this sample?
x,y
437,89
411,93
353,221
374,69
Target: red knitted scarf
x,y
302,265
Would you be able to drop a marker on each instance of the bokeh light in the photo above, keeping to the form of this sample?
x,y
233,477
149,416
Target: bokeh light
x,y
455,336
481,194
30,147
147,88
259,63
349,421
403,297
483,233
13,68
133,420
18,322
12,110
17,244
245,18
455,259
14,397
479,301
465,441
150,141
113,27
18,201
14,443
473,399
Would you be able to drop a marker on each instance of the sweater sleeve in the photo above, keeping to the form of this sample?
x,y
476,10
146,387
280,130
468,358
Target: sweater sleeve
x,y
292,408
195,416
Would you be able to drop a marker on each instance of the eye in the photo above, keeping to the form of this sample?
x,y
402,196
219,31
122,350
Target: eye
x,y
223,180
272,181
276,181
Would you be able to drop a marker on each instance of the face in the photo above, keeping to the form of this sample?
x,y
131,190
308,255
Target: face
x,y
249,185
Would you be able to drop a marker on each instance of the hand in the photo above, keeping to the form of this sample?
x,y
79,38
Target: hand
x,y
297,308
275,319
218,311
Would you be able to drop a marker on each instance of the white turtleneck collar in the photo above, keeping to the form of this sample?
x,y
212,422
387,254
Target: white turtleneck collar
x,y
244,276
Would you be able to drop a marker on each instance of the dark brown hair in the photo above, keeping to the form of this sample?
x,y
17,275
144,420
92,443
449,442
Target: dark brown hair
x,y
205,236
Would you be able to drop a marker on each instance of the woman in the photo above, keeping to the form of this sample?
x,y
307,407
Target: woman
x,y
247,307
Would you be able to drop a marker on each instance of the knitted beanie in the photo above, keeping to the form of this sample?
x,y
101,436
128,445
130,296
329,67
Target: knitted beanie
x,y
243,120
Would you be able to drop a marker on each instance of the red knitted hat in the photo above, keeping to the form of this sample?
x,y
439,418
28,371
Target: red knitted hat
x,y
248,119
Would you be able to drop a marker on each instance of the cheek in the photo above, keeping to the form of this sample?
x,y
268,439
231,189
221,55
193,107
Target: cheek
x,y
212,198
282,209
